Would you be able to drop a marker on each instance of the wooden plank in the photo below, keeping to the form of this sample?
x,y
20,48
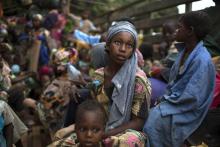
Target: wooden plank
x,y
103,19
146,23
146,7
121,8
153,39
188,7
140,9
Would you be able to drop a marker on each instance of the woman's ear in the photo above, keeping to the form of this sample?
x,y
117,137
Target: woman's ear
x,y
191,31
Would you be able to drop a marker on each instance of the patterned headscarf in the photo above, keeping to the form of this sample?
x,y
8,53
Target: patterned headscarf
x,y
122,26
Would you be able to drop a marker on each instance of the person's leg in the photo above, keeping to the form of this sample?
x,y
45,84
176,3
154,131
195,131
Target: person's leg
x,y
212,125
157,129
70,114
208,131
19,143
8,133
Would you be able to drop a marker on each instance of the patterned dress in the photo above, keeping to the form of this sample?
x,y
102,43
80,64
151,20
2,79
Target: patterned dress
x,y
141,99
70,141
140,108
53,103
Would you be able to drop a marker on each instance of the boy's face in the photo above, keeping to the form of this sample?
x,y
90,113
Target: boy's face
x,y
90,129
182,32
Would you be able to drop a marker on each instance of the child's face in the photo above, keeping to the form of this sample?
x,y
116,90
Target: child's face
x,y
168,33
36,23
90,129
121,47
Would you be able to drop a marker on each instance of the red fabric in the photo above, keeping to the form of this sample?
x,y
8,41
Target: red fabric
x,y
216,99
155,71
45,70
140,58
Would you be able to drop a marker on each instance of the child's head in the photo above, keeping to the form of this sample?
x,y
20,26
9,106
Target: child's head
x,y
195,23
169,28
45,74
90,123
147,51
37,20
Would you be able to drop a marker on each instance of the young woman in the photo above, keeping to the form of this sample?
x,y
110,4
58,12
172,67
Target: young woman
x,y
124,90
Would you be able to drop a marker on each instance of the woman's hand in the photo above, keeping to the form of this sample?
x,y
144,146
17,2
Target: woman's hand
x,y
63,132
136,123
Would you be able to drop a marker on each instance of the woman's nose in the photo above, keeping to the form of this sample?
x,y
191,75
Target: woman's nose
x,y
123,47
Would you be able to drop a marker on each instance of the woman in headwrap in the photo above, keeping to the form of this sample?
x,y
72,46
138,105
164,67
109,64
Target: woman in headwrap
x,y
122,88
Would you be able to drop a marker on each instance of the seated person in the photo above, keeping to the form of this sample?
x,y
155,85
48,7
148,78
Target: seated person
x,y
89,126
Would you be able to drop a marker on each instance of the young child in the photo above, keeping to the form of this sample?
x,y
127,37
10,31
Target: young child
x,y
89,127
90,123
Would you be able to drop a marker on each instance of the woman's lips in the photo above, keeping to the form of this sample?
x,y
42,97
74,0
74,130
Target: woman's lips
x,y
121,58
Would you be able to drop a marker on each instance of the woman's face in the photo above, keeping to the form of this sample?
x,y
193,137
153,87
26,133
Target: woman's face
x,y
121,47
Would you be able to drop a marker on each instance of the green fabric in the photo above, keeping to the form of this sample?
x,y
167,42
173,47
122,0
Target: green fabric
x,y
212,40
212,46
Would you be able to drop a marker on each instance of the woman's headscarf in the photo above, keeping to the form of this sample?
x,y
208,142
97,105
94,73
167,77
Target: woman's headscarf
x,y
121,26
124,80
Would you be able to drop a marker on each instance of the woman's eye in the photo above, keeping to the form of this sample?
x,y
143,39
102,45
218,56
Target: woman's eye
x,y
117,43
129,46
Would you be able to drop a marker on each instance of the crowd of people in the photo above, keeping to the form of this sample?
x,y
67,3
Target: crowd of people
x,y
92,89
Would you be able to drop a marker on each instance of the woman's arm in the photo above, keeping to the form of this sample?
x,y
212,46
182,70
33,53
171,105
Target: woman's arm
x,y
140,108
64,131
136,123
22,77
